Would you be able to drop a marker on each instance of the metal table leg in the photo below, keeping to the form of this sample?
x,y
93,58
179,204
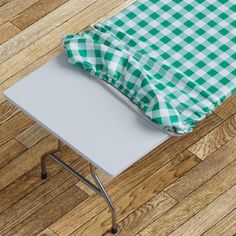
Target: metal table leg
x,y
44,158
97,187
106,197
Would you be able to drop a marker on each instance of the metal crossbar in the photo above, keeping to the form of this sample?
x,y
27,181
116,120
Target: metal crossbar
x,y
97,187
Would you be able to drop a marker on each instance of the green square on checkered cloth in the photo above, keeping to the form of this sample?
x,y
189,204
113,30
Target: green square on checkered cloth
x,y
175,59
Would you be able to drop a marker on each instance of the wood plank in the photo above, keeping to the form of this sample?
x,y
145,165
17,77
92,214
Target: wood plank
x,y
3,2
193,203
217,210
12,8
40,197
113,12
127,203
140,171
21,74
47,232
144,215
226,226
203,171
31,180
42,27
7,111
9,151
228,108
54,210
35,12
7,30
53,38
215,139
25,162
32,135
14,126
105,179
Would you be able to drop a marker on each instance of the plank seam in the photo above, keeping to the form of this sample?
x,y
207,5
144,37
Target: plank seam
x,y
84,168
192,193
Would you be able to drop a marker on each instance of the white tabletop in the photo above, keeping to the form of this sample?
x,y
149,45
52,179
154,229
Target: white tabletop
x,y
84,114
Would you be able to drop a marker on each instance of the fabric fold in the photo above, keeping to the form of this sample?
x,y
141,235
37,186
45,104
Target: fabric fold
x,y
113,63
138,67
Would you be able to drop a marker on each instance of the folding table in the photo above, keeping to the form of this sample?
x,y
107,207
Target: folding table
x,y
88,117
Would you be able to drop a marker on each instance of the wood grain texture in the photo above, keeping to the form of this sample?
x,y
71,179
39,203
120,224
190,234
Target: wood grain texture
x,y
12,8
53,209
228,108
201,222
144,215
203,171
35,12
14,126
113,12
105,179
193,203
47,232
128,202
27,70
3,2
9,151
7,111
41,28
7,30
25,162
32,135
40,196
31,180
52,39
215,139
226,226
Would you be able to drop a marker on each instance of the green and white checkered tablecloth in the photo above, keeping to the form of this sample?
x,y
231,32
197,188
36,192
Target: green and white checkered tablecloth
x,y
175,59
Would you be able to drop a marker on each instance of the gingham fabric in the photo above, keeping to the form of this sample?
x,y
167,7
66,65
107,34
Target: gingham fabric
x,y
175,59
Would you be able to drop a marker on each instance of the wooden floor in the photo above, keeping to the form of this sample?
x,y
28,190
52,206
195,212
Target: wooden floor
x,y
187,186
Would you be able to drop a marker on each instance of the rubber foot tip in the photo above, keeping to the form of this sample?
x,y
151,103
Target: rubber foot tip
x,y
44,176
113,231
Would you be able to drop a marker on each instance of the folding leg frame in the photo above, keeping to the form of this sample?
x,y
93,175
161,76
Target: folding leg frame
x,y
97,187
